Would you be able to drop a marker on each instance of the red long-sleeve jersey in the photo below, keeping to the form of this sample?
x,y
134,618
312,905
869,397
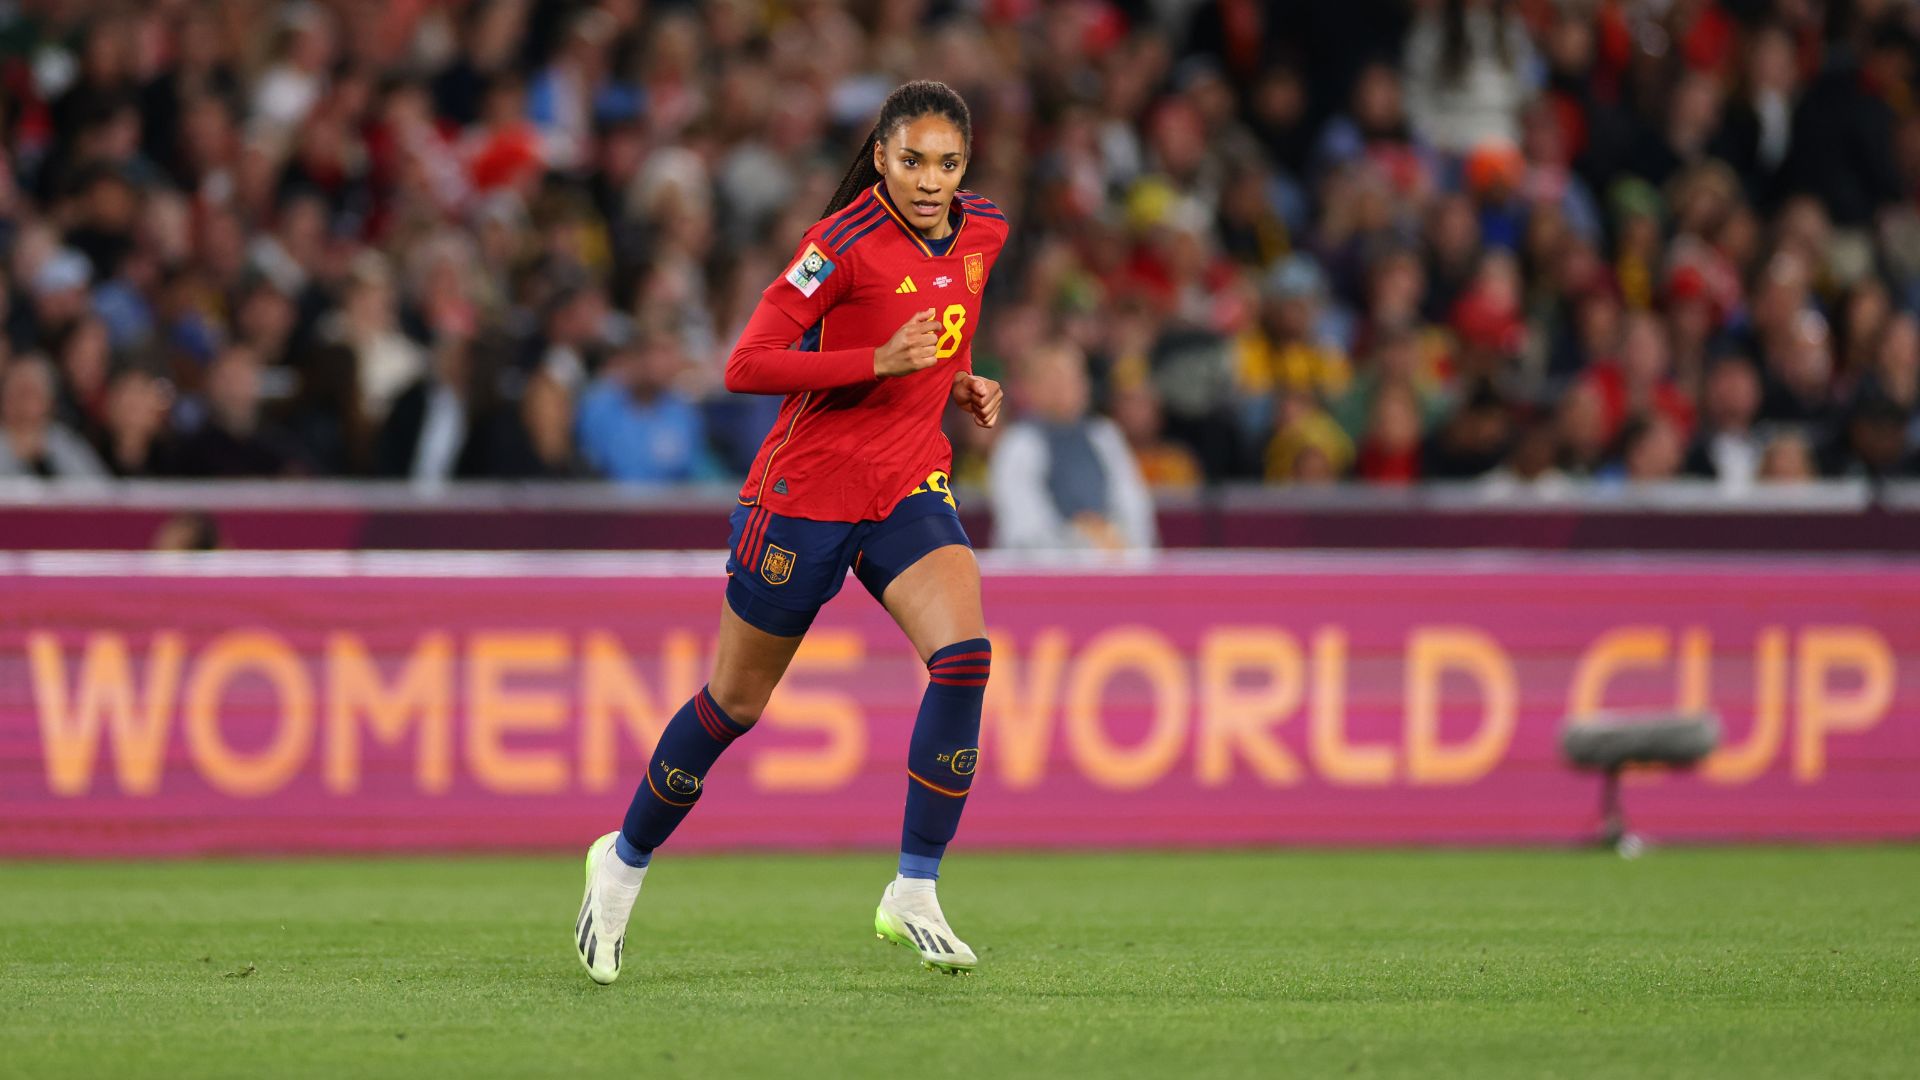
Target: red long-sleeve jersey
x,y
848,446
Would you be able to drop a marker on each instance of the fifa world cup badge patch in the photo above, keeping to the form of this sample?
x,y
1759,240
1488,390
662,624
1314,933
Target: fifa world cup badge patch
x,y
810,270
777,566
976,264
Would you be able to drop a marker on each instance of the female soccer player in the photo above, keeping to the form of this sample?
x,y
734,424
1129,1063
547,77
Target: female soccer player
x,y
869,335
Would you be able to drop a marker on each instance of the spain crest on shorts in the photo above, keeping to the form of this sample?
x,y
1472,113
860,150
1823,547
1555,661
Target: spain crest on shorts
x,y
976,271
777,565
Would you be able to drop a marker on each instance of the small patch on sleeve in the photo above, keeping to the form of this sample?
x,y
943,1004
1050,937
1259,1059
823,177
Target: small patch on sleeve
x,y
810,270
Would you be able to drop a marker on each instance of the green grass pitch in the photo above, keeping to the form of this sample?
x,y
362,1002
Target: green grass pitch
x,y
1687,963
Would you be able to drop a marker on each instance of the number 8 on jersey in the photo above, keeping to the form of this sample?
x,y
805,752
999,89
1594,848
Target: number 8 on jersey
x,y
953,321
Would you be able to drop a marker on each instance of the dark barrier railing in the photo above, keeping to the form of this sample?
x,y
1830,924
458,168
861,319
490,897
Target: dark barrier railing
x,y
285,515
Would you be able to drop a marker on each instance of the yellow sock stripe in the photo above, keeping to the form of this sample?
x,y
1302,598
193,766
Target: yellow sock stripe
x,y
670,802
934,786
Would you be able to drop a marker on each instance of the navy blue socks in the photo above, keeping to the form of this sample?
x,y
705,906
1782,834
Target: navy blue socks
x,y
676,775
941,759
943,754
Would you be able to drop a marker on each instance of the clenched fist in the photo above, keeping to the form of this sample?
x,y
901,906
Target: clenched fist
x,y
979,397
911,348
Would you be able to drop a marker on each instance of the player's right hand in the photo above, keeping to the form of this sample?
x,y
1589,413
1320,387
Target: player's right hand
x,y
910,349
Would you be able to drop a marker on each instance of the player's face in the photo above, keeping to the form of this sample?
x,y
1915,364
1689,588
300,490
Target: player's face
x,y
922,161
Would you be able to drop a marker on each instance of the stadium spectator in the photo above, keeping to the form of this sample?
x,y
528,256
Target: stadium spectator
x,y
635,427
266,320
1530,468
1756,129
1474,440
1060,477
1403,358
1390,452
385,360
32,442
1842,138
1468,64
1788,458
1651,450
1290,350
81,356
1308,446
1637,382
1727,448
1584,436
533,441
1487,319
572,334
1165,465
1681,140
293,84
429,435
137,441
1799,361
1894,367
1873,443
235,439
59,280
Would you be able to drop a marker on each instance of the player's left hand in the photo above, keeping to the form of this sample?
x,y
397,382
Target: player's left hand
x,y
979,397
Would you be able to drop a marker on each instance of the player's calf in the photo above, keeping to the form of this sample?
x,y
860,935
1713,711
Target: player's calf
x,y
942,759
617,862
676,774
944,754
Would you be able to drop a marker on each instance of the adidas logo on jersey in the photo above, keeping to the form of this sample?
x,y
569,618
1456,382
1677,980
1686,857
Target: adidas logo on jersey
x,y
942,281
780,486
907,286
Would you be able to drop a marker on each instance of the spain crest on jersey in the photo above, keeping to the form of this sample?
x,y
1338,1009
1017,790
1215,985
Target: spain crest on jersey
x,y
976,271
777,567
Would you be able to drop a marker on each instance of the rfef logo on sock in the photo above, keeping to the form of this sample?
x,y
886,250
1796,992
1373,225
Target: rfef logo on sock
x,y
680,781
965,761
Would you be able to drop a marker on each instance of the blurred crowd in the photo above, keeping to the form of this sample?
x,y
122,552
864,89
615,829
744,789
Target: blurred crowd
x,y
1520,242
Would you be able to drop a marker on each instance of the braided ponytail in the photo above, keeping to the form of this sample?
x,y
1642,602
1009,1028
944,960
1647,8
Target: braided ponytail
x,y
909,101
861,174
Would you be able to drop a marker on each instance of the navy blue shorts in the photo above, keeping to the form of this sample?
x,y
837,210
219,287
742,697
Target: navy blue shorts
x,y
782,570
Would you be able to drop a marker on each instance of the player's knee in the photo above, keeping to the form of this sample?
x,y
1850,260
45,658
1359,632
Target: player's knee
x,y
966,663
742,704
945,749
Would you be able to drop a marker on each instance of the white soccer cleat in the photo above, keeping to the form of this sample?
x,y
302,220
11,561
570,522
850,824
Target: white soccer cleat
x,y
600,930
909,914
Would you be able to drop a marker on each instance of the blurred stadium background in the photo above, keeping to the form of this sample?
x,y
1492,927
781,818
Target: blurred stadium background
x,y
1391,383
